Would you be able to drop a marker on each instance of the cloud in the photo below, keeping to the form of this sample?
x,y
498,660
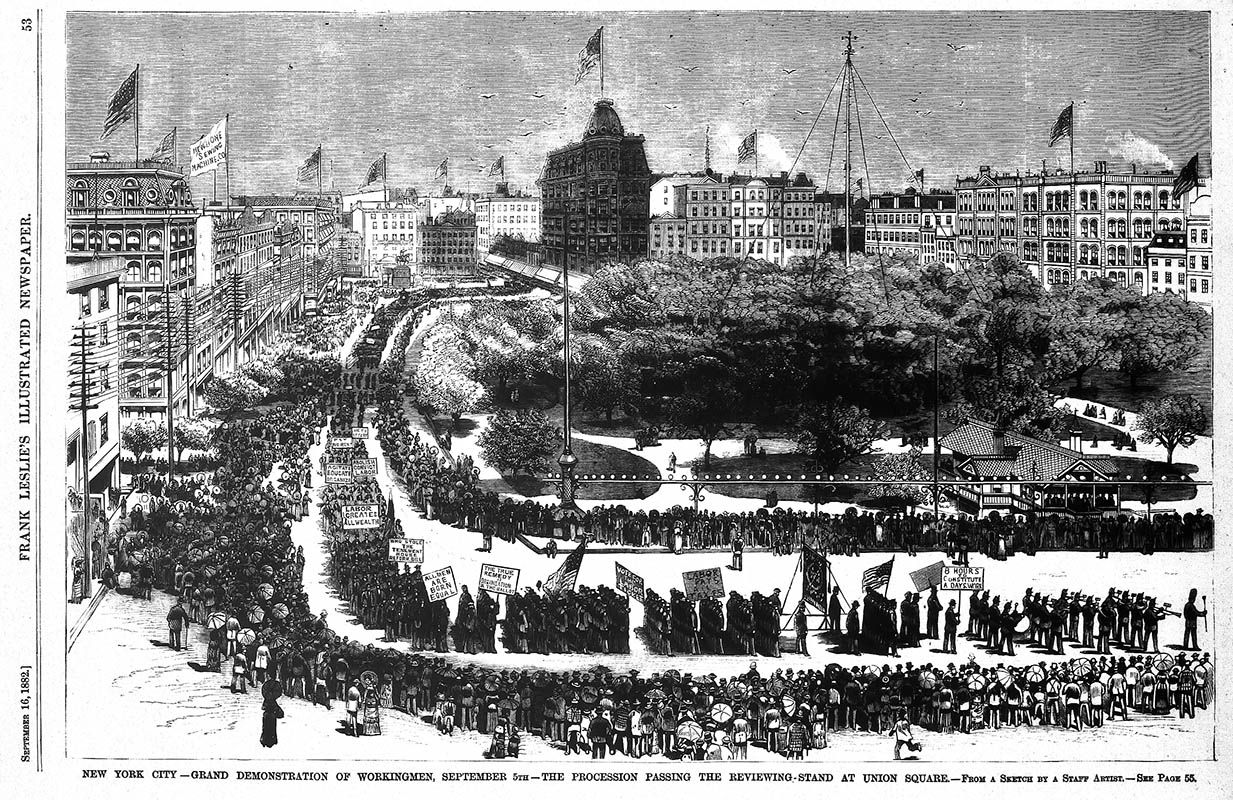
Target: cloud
x,y
1137,150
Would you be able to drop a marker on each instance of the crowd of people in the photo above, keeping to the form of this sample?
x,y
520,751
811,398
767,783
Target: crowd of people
x,y
221,544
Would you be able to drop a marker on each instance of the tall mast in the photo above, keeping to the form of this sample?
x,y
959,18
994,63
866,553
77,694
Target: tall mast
x,y
847,162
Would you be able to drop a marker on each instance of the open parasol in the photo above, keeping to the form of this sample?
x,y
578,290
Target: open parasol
x,y
256,614
1005,677
368,679
789,704
976,682
928,680
656,695
265,591
216,620
1163,661
721,713
1082,668
246,636
689,731
1035,673
279,611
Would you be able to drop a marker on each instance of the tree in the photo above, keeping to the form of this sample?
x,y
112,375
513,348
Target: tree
x,y
519,440
902,467
835,432
708,402
235,392
143,435
443,387
602,380
194,433
1087,323
1163,332
1016,402
1171,421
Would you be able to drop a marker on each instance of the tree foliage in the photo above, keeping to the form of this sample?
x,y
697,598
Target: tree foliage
x,y
519,441
834,432
902,467
142,436
235,392
194,433
1171,421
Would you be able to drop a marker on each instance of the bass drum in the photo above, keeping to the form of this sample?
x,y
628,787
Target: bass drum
x,y
1023,625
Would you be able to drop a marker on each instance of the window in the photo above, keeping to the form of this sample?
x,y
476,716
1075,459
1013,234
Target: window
x,y
85,304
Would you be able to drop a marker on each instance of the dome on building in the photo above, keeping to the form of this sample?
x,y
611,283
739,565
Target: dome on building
x,y
604,121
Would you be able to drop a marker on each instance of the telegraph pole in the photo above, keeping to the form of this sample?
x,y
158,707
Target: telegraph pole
x,y
80,396
847,163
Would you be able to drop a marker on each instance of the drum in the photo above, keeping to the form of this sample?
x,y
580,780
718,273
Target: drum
x,y
1023,625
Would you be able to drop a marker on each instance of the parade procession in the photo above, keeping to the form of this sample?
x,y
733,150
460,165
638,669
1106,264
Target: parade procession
x,y
629,452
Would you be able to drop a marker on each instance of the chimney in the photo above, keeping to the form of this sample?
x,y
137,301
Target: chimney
x,y
1102,167
999,442
100,157
984,169
783,173
1076,441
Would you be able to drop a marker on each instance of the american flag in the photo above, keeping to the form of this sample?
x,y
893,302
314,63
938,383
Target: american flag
x,y
567,574
377,171
123,102
748,148
590,55
879,576
443,169
311,168
166,151
498,167
1064,126
1188,178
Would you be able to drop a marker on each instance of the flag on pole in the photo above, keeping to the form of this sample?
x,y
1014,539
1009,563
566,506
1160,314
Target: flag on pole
x,y
815,580
166,150
310,170
209,151
123,103
1188,178
376,172
498,167
877,577
920,176
589,56
1064,127
748,148
443,169
567,574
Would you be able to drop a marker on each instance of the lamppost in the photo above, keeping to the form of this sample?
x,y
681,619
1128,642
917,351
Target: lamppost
x,y
567,460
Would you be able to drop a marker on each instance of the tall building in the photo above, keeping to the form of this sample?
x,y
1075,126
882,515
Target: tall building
x,y
94,363
319,223
595,201
1199,265
662,195
1071,226
503,214
387,232
447,250
771,218
255,288
143,212
912,223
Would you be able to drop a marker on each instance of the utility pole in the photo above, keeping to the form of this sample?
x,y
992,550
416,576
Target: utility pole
x,y
80,396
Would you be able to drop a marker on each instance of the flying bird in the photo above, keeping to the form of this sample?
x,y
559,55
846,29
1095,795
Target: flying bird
x,y
487,96
528,133
801,112
668,106
787,71
956,47
537,94
689,69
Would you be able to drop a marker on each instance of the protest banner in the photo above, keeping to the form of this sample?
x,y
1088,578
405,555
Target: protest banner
x,y
407,551
631,583
338,472
363,468
963,579
927,577
703,583
440,584
359,434
362,515
498,580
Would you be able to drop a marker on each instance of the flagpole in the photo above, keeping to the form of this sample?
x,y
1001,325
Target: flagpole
x,y
137,117
1072,140
601,61
756,148
226,154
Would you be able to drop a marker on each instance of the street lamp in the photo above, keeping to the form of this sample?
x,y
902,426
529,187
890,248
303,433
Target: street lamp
x,y
567,460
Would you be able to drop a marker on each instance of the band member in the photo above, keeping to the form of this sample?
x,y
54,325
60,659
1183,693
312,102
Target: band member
x,y
1191,614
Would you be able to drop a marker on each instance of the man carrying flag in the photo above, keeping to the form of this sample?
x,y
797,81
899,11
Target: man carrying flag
x,y
123,104
567,574
589,56
498,167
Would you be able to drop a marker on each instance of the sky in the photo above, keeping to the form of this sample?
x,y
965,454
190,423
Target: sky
x,y
956,91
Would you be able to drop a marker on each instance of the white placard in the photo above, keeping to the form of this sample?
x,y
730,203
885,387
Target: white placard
x,y
499,580
364,515
964,579
440,584
407,551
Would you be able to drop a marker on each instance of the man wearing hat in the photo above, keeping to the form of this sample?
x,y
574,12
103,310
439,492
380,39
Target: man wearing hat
x,y
177,621
854,629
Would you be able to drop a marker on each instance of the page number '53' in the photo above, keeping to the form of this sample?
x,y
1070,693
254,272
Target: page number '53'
x,y
27,24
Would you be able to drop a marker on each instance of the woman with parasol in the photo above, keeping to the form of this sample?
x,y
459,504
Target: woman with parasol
x,y
271,712
372,711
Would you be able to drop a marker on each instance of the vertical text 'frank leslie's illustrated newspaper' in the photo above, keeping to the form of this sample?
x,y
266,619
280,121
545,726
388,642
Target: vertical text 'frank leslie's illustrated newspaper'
x,y
606,402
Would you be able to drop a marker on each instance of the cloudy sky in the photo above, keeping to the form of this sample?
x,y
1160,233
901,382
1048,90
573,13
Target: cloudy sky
x,y
955,90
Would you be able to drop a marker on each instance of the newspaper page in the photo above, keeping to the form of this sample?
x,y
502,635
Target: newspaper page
x,y
750,397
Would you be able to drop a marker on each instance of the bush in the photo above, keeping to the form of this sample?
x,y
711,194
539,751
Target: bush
x,y
522,440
